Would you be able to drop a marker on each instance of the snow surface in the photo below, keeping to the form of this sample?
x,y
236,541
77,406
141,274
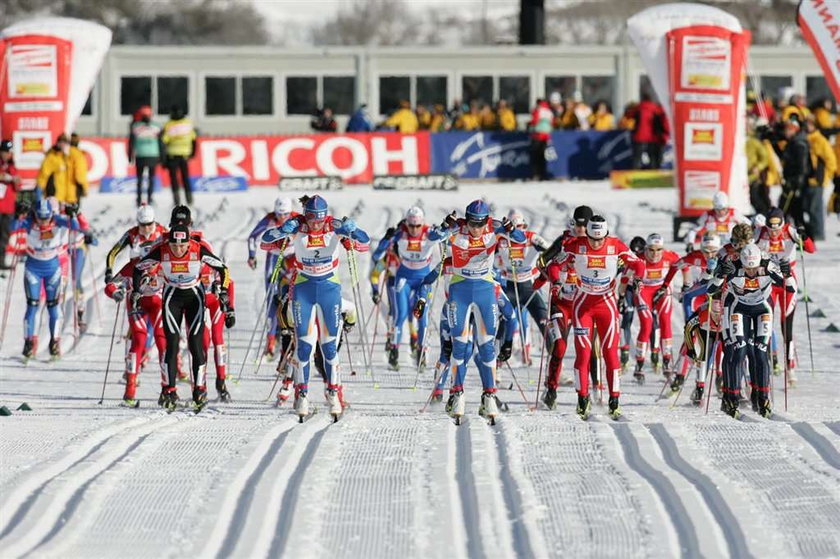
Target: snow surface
x,y
245,480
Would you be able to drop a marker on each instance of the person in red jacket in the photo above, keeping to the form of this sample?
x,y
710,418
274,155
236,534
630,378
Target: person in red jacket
x,y
9,185
541,124
650,133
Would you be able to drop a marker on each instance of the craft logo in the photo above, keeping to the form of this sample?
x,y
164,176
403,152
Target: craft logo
x,y
597,262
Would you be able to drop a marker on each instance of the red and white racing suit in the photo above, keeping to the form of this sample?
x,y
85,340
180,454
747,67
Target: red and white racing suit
x,y
653,279
214,320
594,304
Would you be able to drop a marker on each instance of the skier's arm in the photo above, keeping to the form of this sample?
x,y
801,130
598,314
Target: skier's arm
x,y
383,246
348,228
257,231
275,237
539,243
216,263
142,265
111,257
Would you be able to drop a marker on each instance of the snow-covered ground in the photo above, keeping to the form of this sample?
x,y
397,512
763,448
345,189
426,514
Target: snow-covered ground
x,y
79,479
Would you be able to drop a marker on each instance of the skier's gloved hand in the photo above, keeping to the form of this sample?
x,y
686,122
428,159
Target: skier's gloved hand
x,y
230,318
505,351
784,266
347,243
390,232
375,296
419,307
689,247
449,221
91,240
277,299
252,262
800,230
711,265
622,304
659,293
71,210
508,224
726,268
118,295
134,300
349,225
224,298
109,275
289,226
348,323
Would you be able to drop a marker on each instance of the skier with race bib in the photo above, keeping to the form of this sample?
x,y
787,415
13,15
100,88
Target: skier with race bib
x,y
316,291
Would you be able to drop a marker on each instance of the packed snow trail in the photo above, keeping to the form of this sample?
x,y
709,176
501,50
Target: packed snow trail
x,y
246,480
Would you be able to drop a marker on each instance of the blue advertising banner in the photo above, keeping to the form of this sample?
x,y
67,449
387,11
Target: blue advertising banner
x,y
506,155
122,185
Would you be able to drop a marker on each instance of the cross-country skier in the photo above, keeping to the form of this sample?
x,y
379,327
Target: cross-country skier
x,y
414,243
700,336
518,264
472,293
747,322
282,212
316,291
649,301
627,307
595,259
181,259
721,219
46,238
139,239
143,316
780,241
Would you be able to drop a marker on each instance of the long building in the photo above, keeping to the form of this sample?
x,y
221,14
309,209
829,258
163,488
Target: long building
x,y
273,90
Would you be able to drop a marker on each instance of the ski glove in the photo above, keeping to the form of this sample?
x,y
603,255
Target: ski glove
x,y
230,318
784,266
91,240
224,298
390,232
505,351
348,225
449,221
726,268
118,295
375,296
109,275
711,265
622,304
252,262
290,226
135,302
659,294
508,225
419,307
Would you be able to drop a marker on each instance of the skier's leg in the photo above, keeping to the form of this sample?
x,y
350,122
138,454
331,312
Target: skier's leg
x,y
460,309
583,342
401,294
486,320
172,310
32,287
306,334
328,308
666,335
606,321
194,316
643,308
52,288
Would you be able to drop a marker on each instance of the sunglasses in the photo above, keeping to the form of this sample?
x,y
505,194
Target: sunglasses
x,y
655,249
414,225
481,223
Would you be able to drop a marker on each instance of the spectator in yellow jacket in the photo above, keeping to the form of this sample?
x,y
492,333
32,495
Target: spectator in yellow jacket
x,y
54,176
568,120
796,108
78,170
470,120
487,117
824,116
403,120
179,139
627,121
505,118
824,165
602,118
424,117
440,120
757,163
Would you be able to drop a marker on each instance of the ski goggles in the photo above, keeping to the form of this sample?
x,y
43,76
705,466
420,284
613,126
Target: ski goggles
x,y
475,223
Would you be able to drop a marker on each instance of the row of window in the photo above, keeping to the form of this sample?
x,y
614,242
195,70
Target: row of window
x,y
254,95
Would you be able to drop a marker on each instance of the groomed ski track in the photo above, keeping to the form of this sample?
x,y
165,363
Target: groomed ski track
x,y
246,480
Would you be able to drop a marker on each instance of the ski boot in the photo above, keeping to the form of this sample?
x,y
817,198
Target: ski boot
x,y
615,408
129,403
437,395
29,348
170,398
638,375
764,408
584,407
456,405
729,405
55,348
654,360
394,358
162,396
550,398
625,358
334,402
697,395
222,391
199,396
285,391
677,383
301,406
488,408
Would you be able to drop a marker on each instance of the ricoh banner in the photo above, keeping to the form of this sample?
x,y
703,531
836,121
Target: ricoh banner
x,y
47,69
265,160
696,56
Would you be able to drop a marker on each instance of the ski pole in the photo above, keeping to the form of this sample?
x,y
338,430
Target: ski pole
x,y
280,367
110,351
713,368
539,378
522,392
95,291
73,273
357,295
518,305
15,259
424,349
375,329
784,340
807,309
350,360
438,374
